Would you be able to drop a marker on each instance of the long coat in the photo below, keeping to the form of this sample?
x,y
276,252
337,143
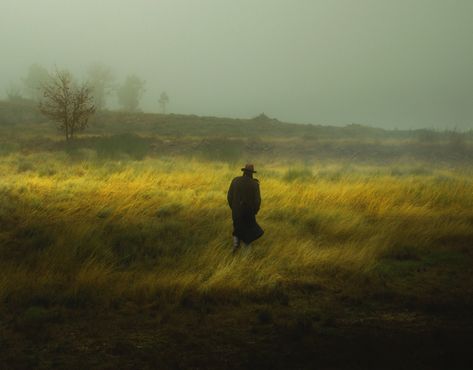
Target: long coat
x,y
244,199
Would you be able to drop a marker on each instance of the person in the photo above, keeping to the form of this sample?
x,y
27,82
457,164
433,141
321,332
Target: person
x,y
244,200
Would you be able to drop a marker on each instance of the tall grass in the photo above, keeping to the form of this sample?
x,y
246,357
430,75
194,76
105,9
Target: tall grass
x,y
93,232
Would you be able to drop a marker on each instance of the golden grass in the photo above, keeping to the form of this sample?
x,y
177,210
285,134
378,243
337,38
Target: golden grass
x,y
89,232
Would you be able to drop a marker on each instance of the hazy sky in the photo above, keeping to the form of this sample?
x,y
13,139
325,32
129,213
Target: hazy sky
x,y
390,63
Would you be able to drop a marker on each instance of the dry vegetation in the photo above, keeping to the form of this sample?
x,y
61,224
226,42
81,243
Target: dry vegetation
x,y
109,232
88,232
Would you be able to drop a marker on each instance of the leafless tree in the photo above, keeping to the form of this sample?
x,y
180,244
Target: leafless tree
x,y
66,103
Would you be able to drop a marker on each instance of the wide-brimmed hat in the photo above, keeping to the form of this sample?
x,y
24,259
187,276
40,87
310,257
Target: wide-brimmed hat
x,y
249,168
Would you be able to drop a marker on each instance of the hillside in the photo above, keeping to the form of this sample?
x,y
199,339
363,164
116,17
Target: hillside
x,y
262,138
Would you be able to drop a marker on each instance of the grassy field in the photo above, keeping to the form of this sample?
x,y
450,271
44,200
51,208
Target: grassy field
x,y
115,256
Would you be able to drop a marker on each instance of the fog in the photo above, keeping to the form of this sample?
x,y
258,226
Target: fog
x,y
393,64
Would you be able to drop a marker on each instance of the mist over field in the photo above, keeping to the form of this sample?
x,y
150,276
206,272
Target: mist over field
x,y
218,184
391,64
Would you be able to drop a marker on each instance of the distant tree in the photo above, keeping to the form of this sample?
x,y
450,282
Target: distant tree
x,y
36,77
130,93
68,104
14,93
100,79
163,100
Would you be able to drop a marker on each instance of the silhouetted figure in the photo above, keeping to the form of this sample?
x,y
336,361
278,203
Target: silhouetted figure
x,y
244,199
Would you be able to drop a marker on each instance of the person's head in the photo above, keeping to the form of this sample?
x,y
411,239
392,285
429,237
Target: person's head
x,y
248,170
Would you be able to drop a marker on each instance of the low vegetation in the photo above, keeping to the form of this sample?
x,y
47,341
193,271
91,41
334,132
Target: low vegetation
x,y
114,230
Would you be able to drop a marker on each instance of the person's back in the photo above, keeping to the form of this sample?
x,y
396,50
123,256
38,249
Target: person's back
x,y
244,195
244,199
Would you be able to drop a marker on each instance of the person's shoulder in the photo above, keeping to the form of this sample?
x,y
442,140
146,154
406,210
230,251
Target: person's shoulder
x,y
256,180
236,179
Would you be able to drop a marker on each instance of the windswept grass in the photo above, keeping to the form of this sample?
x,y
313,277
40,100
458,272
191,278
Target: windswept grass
x,y
87,232
115,249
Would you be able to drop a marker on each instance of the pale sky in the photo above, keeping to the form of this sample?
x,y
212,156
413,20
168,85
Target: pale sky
x,y
387,63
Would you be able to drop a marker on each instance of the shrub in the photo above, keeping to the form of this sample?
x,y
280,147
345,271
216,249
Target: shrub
x,y
221,149
80,154
129,144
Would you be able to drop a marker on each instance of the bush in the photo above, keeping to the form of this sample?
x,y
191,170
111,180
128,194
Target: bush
x,y
114,146
221,149
80,154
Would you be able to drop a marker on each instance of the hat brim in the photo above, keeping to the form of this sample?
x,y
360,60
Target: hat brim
x,y
247,170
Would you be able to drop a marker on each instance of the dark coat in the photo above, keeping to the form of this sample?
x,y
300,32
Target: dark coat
x,y
244,199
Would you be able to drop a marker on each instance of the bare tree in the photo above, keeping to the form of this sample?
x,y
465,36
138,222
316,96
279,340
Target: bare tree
x,y
163,100
66,103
